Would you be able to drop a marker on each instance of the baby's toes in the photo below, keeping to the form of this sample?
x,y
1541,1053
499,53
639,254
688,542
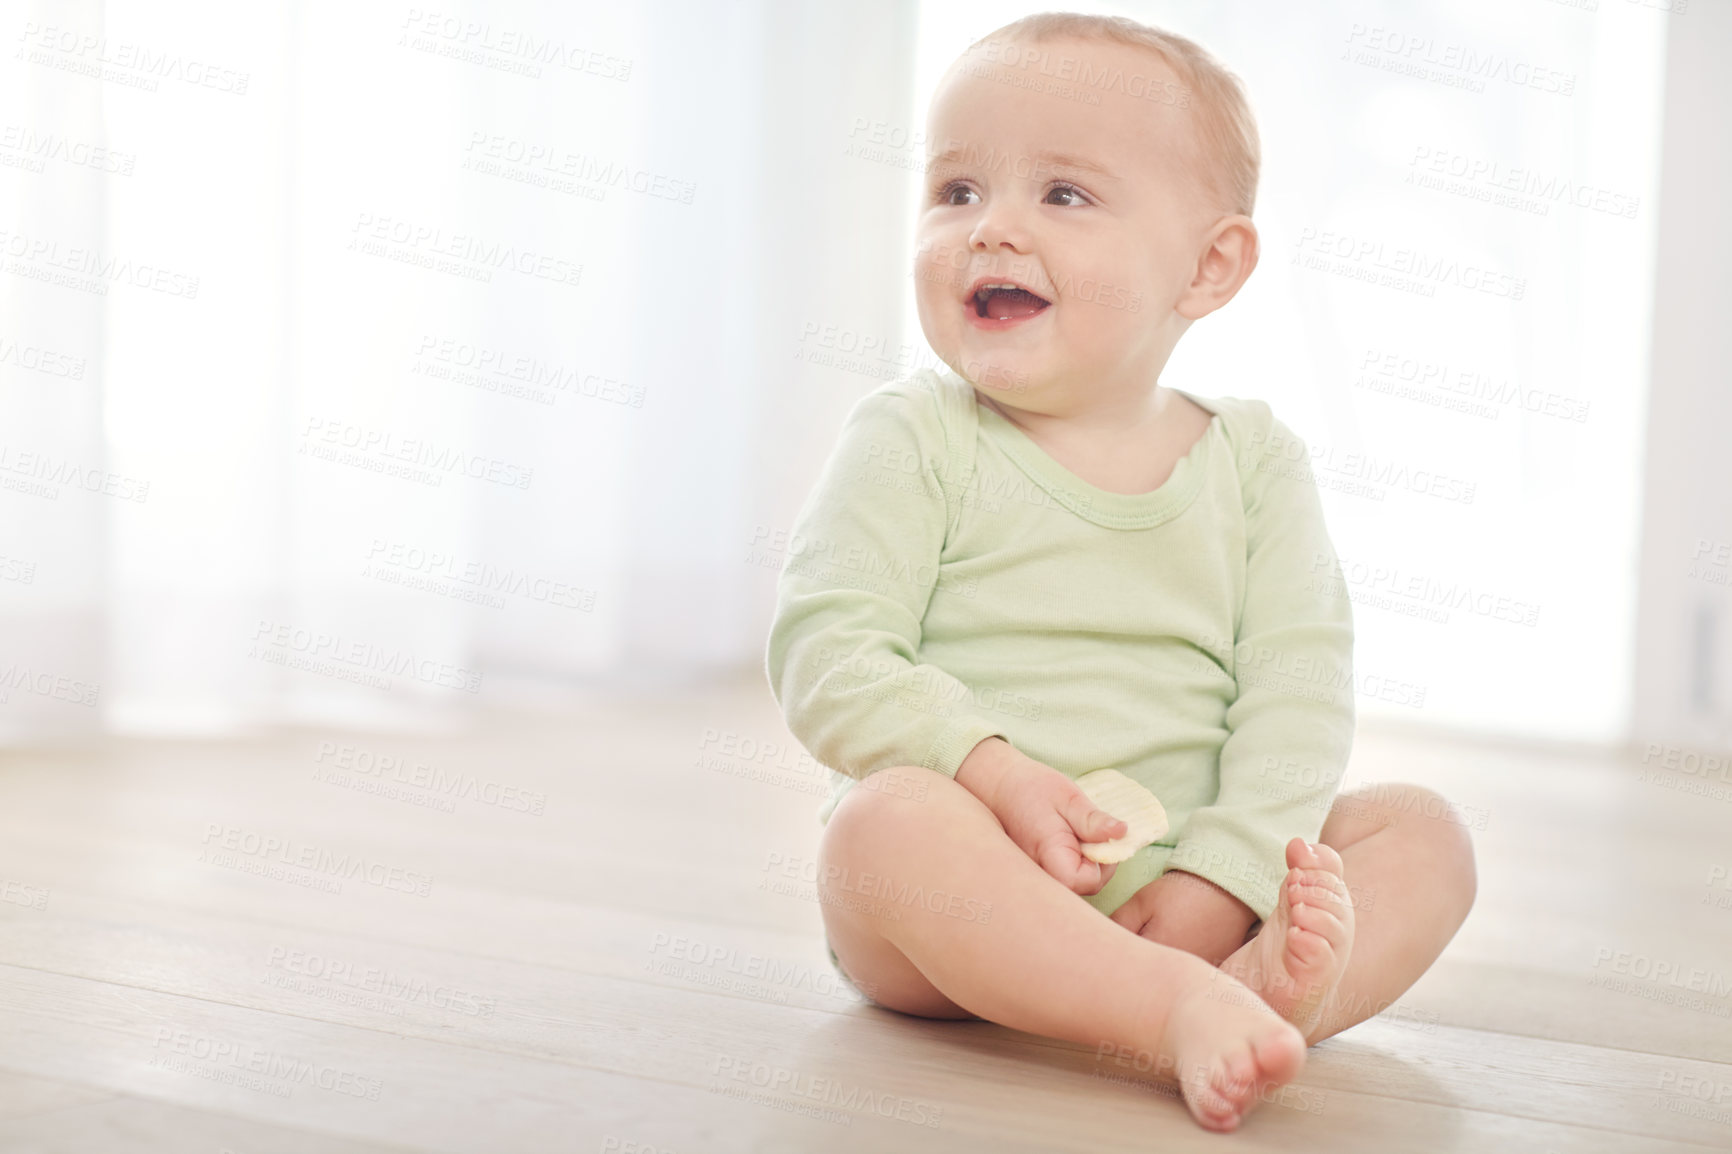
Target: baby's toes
x,y
1327,859
1320,921
1319,897
1321,886
1238,1069
1279,1054
1210,1103
1241,1076
1231,1087
1310,955
1327,879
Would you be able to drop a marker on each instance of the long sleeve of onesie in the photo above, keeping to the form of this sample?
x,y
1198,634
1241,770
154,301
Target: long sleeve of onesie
x,y
1290,727
862,560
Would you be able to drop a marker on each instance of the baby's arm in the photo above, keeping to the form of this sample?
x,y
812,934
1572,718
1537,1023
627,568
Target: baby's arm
x,y
1042,811
863,561
1290,728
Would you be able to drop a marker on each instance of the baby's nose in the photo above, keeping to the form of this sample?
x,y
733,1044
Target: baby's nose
x,y
999,226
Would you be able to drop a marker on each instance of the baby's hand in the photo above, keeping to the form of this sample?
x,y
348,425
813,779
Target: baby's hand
x,y
1042,811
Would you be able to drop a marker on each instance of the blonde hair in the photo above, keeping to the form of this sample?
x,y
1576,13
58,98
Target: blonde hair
x,y
1226,132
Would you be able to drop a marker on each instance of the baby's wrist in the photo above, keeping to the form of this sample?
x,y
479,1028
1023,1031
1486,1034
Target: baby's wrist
x,y
986,766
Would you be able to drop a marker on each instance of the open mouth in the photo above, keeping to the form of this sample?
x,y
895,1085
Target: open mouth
x,y
1001,302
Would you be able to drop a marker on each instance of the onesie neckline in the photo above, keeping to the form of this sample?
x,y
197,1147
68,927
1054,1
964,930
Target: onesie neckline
x,y
1107,509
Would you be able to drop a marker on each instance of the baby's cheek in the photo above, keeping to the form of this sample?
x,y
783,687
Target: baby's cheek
x,y
934,278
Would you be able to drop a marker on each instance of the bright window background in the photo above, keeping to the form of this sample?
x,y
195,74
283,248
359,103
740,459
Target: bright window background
x,y
743,322
1552,525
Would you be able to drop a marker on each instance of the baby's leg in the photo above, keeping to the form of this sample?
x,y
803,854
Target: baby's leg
x,y
990,933
1408,864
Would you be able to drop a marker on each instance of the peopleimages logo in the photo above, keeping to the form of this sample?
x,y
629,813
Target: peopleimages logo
x,y
1667,972
359,766
337,978
326,437
35,256
243,1058
796,869
781,1082
1370,259
315,650
224,844
438,248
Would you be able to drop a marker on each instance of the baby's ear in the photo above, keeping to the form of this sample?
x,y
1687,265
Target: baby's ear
x,y
1225,262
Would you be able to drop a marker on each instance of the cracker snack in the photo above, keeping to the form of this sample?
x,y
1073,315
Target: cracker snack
x,y
1139,809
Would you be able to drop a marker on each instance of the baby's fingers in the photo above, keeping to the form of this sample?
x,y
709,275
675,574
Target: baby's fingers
x,y
1090,876
1058,856
1090,822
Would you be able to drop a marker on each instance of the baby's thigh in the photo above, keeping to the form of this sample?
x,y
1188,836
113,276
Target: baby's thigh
x,y
885,976
869,827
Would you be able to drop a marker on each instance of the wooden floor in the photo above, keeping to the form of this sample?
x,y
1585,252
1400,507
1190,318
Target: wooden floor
x,y
633,968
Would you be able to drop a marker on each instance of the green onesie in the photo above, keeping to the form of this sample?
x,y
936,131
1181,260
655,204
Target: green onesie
x,y
946,580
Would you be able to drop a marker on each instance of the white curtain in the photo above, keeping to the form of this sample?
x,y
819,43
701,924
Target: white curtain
x,y
363,365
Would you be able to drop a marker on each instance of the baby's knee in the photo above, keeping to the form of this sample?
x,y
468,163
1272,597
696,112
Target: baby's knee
x,y
880,804
900,807
1437,830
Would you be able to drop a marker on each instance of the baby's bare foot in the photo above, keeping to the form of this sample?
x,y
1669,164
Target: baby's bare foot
x,y
1297,958
1226,1049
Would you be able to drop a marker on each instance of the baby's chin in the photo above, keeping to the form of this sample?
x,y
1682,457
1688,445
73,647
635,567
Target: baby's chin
x,y
980,368
996,379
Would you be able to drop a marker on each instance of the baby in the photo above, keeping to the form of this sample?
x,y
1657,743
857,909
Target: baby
x,y
1045,562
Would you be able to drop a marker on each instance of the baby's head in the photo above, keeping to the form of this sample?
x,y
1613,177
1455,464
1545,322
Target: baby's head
x,y
1107,167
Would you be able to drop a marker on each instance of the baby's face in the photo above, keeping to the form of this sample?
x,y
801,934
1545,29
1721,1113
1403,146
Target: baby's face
x,y
1086,205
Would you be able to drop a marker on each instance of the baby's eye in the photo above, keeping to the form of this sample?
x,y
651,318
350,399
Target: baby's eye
x,y
1067,190
947,194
